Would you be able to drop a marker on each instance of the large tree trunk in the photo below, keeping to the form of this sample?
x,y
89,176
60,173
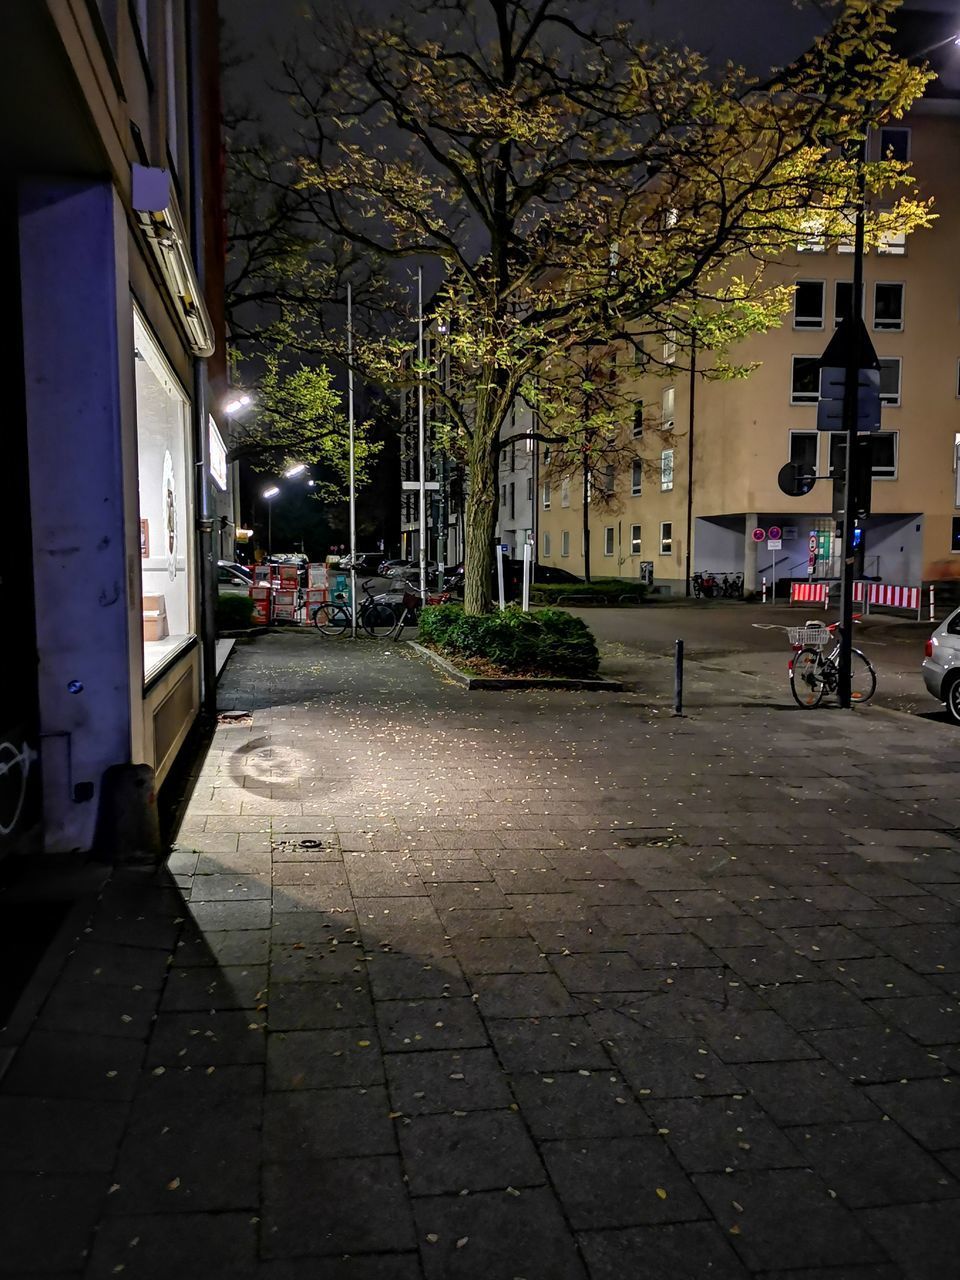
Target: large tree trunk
x,y
481,522
586,522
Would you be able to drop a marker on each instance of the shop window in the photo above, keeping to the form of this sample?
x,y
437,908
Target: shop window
x,y
565,543
805,380
636,478
888,306
803,449
608,540
166,504
808,304
890,380
666,470
666,538
635,540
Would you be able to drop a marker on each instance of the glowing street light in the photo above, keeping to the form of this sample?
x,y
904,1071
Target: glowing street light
x,y
271,492
235,405
297,469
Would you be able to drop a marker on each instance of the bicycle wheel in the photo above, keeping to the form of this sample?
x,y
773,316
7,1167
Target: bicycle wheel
x,y
806,678
863,678
378,619
331,619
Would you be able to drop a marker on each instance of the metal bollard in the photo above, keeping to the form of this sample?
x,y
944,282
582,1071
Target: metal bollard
x,y
678,680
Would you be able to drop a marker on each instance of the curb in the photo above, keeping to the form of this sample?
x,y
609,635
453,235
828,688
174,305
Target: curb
x,y
511,682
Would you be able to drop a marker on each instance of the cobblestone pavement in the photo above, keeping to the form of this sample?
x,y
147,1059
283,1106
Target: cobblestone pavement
x,y
540,985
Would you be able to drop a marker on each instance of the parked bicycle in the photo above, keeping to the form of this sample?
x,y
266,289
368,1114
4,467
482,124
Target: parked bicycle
x,y
814,672
713,585
378,616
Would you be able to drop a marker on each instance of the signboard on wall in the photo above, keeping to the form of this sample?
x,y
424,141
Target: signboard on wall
x,y
218,456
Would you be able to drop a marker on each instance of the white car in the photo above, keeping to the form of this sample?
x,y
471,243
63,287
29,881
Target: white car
x,y
941,664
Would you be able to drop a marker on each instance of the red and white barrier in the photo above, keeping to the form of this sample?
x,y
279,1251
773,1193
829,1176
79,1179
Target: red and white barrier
x,y
810,593
890,597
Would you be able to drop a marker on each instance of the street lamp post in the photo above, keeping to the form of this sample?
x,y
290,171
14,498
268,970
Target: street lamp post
x,y
268,496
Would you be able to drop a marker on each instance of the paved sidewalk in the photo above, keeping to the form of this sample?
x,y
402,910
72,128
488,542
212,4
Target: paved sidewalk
x,y
484,986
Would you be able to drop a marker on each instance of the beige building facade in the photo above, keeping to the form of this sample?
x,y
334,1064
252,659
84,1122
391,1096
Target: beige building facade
x,y
743,431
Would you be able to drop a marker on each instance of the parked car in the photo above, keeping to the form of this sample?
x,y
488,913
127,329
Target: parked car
x,y
548,575
941,665
233,579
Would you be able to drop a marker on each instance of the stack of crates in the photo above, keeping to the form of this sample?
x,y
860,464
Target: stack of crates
x,y
285,597
316,591
260,594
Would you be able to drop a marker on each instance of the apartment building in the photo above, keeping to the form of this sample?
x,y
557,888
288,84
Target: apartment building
x,y
700,458
112,261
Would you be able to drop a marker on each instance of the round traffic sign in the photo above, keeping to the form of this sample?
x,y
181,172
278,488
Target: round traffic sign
x,y
774,532
759,535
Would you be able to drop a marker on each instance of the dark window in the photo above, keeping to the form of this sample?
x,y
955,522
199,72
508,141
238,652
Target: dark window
x,y
884,448
513,501
808,304
803,449
888,306
843,301
638,419
890,381
636,477
805,388
955,541
895,144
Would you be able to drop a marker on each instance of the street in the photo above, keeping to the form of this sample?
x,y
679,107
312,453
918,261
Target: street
x,y
750,640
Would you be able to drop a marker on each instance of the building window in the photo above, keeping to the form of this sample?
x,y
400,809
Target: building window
x,y
609,478
805,383
640,358
670,346
666,470
513,455
565,543
636,478
808,304
529,488
546,546
546,453
513,501
888,306
638,419
166,504
955,534
666,538
804,449
635,540
847,241
843,301
173,84
565,492
503,497
667,400
884,447
813,239
546,495
608,540
895,144
890,380
894,242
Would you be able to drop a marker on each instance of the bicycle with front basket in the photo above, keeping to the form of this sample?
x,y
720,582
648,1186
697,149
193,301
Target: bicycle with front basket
x,y
814,671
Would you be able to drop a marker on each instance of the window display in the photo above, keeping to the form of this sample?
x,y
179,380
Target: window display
x,y
166,504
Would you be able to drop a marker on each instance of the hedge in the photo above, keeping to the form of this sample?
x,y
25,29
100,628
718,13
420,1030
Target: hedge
x,y
234,613
613,590
547,641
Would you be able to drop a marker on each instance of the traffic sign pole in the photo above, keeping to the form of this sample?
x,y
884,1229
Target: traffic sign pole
x,y
848,558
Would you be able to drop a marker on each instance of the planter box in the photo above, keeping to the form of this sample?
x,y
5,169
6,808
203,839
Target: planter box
x,y
512,682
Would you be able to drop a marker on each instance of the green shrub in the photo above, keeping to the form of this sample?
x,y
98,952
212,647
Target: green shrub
x,y
234,613
545,640
607,589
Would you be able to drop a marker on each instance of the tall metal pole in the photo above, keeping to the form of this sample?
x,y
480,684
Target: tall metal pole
x,y
691,424
421,443
851,379
353,485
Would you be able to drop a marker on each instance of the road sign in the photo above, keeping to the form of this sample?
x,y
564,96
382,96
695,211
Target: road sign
x,y
758,535
774,532
415,484
504,547
774,544
795,479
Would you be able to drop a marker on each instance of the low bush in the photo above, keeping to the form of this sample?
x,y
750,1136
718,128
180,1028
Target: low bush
x,y
612,590
234,613
546,641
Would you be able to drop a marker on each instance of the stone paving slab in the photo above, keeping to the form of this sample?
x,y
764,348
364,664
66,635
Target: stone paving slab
x,y
442,985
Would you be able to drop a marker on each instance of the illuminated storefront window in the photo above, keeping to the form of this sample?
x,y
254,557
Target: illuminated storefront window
x,y
166,505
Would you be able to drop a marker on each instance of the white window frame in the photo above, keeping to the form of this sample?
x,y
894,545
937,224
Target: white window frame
x,y
670,346
565,492
564,543
668,397
877,475
894,128
666,540
886,398
608,540
636,539
666,470
886,327
637,419
546,495
802,397
806,323
546,545
815,241
798,432
636,478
